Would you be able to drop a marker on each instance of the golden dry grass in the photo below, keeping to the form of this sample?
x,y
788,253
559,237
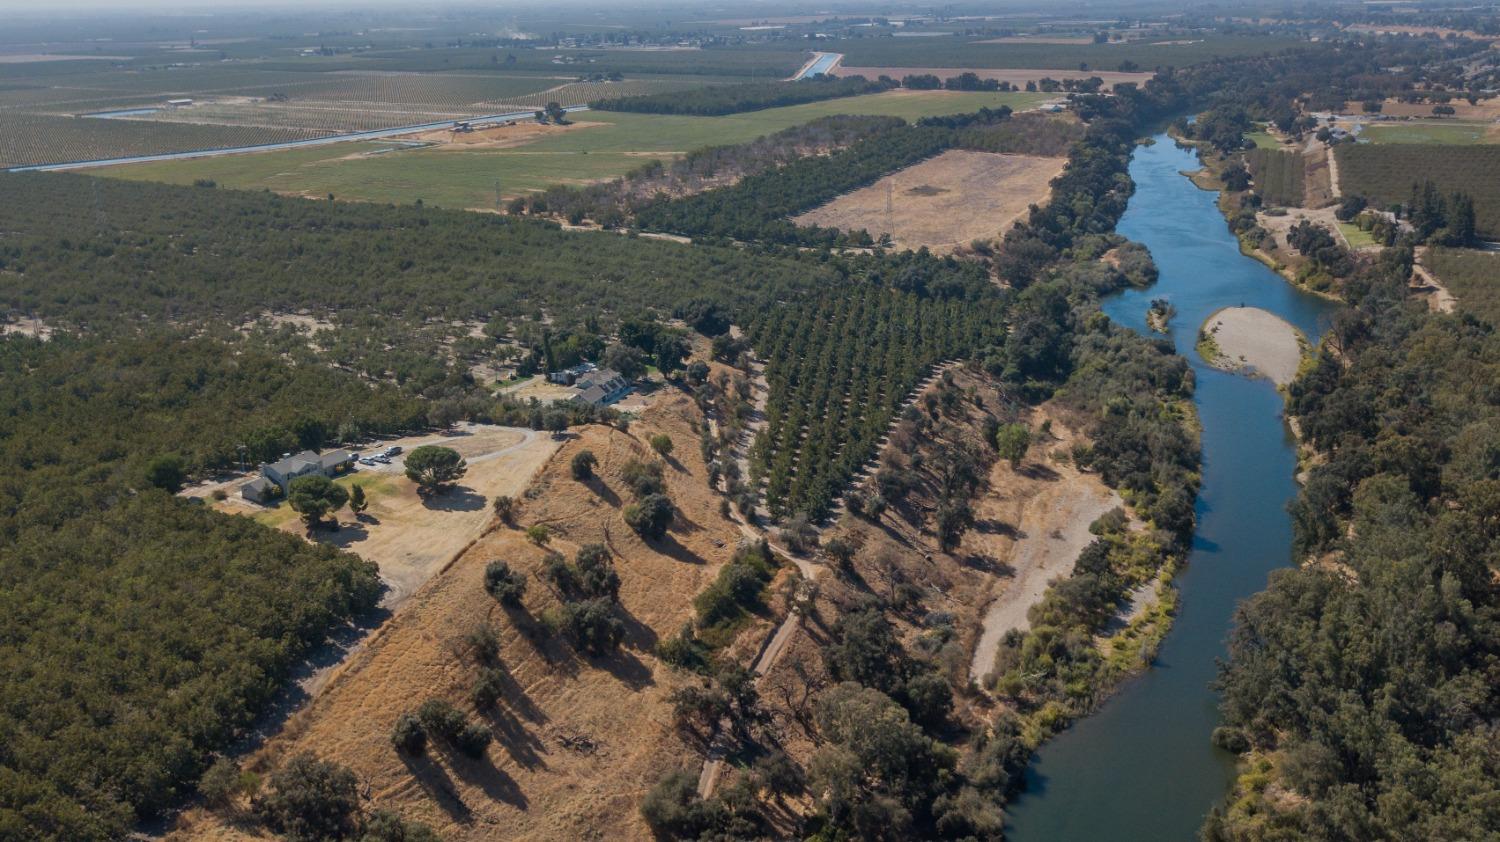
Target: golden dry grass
x,y
944,202
530,785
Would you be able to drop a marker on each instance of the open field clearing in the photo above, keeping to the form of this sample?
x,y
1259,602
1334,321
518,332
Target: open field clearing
x,y
1485,109
411,538
1431,132
1018,77
41,122
577,739
958,52
944,202
1472,276
1385,173
598,146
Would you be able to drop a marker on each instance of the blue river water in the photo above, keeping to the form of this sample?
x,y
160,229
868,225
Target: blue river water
x,y
1143,768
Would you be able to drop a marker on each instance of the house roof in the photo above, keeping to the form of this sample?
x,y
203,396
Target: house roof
x,y
296,462
335,457
257,484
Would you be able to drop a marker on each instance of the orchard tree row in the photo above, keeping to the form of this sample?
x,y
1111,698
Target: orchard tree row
x,y
838,366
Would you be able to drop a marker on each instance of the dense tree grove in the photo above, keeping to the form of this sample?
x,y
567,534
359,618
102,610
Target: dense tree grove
x,y
613,203
716,100
756,208
95,251
1365,682
831,399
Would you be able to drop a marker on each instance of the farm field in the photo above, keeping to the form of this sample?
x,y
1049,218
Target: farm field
x,y
1472,276
944,202
956,52
1279,175
1384,173
1431,132
40,119
598,146
1356,237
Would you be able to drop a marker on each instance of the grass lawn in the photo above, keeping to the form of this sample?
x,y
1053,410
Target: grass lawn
x,y
1429,132
375,484
1357,237
1264,140
467,178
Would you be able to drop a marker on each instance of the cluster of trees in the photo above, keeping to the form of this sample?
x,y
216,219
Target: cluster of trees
x,y
91,431
967,81
1441,220
756,208
80,251
831,399
739,587
589,593
1367,680
613,203
1028,133
717,100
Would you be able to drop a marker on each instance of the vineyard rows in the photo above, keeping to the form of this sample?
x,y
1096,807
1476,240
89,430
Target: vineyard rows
x,y
1278,174
831,399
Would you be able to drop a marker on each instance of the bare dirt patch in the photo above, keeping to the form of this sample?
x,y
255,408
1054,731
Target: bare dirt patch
x,y
1255,341
1051,506
518,133
34,328
943,202
1013,76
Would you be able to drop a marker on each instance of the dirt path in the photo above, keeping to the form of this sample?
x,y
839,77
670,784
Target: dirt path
x,y
1439,298
1054,529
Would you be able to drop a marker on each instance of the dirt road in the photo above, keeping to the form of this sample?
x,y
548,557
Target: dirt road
x,y
1054,529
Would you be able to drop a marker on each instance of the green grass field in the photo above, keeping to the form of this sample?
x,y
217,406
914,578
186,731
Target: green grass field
x,y
466,179
375,484
1445,133
1357,237
1264,140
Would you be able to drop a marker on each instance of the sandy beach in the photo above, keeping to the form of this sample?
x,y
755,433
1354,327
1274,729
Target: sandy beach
x,y
1254,339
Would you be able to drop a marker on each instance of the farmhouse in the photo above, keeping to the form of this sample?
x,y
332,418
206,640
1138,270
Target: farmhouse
x,y
601,387
278,475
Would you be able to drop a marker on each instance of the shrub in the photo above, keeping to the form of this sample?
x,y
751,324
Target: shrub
x,y
407,736
685,651
799,534
596,573
539,534
504,584
487,688
505,508
591,625
583,465
651,516
473,739
644,478
483,643
224,782
441,719
662,443
311,800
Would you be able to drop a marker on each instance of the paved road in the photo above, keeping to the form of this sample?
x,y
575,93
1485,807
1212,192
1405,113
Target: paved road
x,y
291,144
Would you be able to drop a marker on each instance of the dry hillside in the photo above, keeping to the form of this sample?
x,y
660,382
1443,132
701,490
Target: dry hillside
x,y
578,740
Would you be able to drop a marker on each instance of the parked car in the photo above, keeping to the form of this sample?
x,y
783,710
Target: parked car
x,y
393,450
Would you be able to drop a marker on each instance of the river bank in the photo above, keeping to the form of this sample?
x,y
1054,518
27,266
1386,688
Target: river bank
x,y
1143,767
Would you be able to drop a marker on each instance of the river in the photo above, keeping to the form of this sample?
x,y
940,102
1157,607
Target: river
x,y
1142,768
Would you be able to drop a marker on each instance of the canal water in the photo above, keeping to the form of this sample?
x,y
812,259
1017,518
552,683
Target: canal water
x,y
1142,768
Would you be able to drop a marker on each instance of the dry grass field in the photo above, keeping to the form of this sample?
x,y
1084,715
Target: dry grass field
x,y
944,202
538,779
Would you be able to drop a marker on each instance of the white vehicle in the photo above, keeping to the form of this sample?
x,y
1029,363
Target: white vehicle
x,y
393,450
